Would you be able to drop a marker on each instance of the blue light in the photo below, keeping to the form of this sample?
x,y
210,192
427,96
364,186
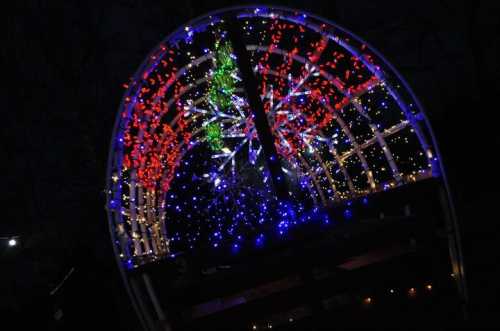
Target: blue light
x,y
130,264
365,201
259,241
326,220
348,214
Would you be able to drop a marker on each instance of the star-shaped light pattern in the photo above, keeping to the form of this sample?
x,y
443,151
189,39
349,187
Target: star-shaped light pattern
x,y
188,170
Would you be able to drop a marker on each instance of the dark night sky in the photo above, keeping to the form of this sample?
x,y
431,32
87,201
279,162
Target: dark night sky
x,y
66,63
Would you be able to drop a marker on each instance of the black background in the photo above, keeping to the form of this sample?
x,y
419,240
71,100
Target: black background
x,y
64,65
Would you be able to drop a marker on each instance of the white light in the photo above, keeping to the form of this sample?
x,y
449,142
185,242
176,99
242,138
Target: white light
x,y
12,242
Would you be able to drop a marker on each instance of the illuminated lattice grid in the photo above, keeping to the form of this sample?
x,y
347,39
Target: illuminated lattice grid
x,y
187,165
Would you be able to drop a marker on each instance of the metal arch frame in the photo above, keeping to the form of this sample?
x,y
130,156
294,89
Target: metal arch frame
x,y
115,221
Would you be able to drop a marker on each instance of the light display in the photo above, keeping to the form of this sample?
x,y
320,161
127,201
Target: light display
x,y
223,78
187,168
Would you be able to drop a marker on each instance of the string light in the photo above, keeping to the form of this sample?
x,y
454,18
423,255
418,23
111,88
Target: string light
x,y
189,168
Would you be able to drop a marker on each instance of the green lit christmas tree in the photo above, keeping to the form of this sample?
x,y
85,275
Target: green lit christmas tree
x,y
222,83
221,89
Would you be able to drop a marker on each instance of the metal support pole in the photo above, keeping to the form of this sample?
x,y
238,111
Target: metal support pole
x,y
457,263
143,309
262,126
156,304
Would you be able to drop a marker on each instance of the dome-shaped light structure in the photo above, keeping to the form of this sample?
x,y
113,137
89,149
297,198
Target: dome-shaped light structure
x,y
252,121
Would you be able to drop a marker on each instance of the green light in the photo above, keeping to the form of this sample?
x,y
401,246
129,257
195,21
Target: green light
x,y
222,83
214,136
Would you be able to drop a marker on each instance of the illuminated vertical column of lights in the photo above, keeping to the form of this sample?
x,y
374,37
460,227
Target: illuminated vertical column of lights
x,y
188,167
